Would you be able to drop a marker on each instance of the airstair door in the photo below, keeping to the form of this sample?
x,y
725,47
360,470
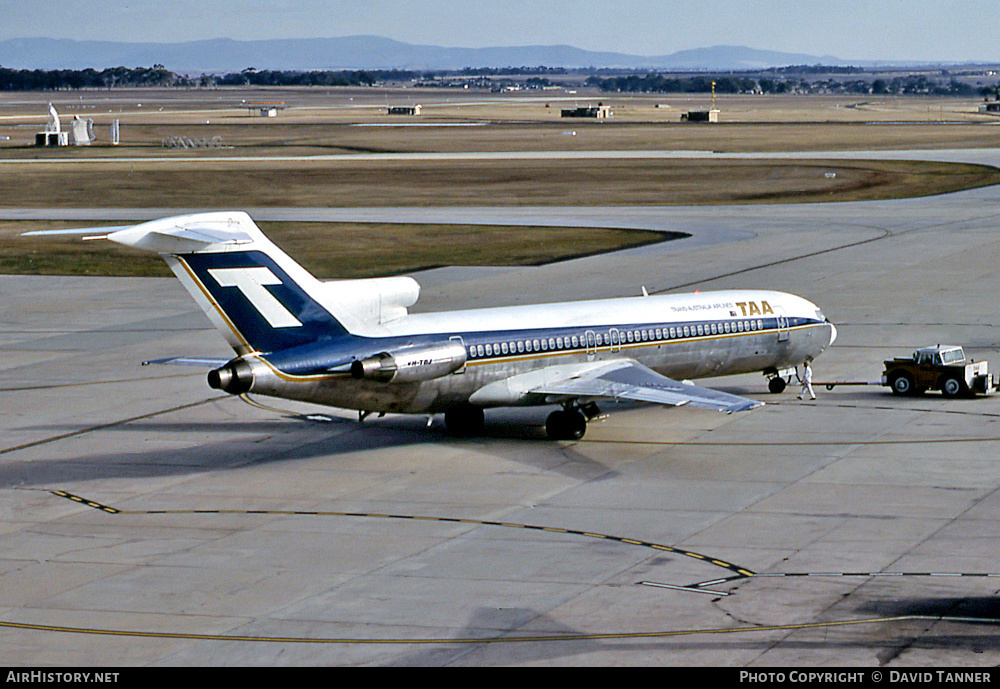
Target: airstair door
x,y
459,340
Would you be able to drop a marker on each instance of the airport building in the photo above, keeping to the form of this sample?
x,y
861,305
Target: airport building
x,y
404,110
711,115
265,109
599,111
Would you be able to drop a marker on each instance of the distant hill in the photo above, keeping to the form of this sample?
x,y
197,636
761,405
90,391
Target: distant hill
x,y
363,52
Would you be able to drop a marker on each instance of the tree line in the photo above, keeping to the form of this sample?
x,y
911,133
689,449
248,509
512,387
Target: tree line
x,y
267,77
915,84
58,79
158,75
647,82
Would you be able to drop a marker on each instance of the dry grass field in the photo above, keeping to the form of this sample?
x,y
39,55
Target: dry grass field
x,y
318,121
141,172
307,183
329,250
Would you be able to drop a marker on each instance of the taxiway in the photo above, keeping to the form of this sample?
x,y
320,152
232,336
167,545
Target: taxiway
x,y
286,534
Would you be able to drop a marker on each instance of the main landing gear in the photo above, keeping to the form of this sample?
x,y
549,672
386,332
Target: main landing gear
x,y
464,421
570,422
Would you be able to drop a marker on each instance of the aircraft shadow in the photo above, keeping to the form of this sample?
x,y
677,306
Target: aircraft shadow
x,y
311,439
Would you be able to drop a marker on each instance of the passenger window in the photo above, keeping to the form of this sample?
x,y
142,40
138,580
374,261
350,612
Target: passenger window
x,y
489,350
673,333
520,346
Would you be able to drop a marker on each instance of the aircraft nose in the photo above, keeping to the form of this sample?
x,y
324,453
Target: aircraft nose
x,y
833,333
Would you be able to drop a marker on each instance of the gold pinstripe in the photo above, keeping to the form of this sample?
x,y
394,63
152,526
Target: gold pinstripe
x,y
472,640
215,304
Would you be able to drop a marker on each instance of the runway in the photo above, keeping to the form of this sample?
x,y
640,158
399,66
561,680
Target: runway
x,y
857,530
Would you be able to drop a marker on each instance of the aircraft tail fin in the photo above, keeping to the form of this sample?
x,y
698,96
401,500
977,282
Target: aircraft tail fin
x,y
255,294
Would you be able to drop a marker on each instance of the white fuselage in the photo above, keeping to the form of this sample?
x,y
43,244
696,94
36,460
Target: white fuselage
x,y
512,350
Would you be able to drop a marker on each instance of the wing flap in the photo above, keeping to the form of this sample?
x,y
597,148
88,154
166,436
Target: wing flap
x,y
631,380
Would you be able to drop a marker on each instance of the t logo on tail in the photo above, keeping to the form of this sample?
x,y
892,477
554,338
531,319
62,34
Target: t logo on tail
x,y
251,281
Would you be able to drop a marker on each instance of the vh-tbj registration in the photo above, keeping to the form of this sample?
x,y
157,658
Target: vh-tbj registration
x,y
352,343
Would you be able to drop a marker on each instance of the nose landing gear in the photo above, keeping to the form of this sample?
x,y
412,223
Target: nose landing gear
x,y
778,380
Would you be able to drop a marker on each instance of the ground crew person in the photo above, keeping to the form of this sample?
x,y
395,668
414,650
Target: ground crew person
x,y
807,381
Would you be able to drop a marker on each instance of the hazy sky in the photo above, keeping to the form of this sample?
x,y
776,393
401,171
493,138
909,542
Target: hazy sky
x,y
938,30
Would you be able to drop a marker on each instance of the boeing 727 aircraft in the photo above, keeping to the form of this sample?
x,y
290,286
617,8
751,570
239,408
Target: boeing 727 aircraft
x,y
352,344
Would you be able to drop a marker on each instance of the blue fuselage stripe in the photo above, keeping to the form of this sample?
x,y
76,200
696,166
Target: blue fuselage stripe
x,y
506,345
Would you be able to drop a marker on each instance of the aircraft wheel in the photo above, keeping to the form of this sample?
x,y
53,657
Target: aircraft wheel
x,y
464,421
776,385
566,425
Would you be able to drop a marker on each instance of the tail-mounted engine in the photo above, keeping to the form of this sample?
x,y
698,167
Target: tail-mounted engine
x,y
236,377
411,364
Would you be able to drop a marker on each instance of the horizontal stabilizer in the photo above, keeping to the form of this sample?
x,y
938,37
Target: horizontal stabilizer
x,y
188,361
187,233
77,230
179,234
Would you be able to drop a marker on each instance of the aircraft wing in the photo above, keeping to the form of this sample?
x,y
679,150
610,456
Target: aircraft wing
x,y
630,380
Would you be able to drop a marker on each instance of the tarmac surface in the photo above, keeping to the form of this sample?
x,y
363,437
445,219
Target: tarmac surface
x,y
146,519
